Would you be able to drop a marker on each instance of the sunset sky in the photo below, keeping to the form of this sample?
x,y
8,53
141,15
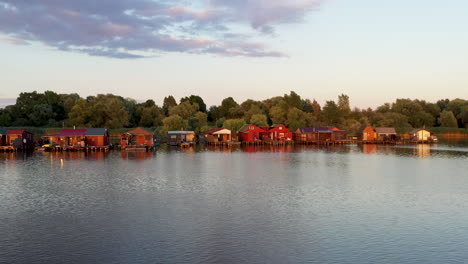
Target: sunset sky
x,y
373,51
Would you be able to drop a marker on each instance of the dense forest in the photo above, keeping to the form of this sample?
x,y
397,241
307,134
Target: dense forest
x,y
50,109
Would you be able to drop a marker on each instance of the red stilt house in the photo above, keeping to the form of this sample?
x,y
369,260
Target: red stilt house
x,y
367,133
278,133
138,136
250,133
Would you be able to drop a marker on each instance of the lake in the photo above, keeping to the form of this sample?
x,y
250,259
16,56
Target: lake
x,y
292,204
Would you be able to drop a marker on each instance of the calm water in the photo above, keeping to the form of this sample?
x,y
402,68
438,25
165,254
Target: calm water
x,y
345,204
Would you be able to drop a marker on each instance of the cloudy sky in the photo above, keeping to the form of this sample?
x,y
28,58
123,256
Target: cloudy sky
x,y
373,51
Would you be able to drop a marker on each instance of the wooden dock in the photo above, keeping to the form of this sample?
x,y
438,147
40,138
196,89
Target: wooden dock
x,y
75,148
223,143
8,149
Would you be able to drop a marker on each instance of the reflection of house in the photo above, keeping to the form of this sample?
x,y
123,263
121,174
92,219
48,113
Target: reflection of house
x,y
386,133
138,137
311,134
367,133
420,134
180,137
218,135
23,137
277,133
97,137
250,133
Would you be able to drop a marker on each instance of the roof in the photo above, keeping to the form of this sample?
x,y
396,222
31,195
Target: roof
x,y
96,132
244,127
363,127
3,131
218,130
417,130
16,132
140,131
180,132
385,130
69,133
324,129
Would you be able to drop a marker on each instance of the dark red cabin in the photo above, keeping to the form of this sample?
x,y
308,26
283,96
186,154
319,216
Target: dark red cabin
x,y
250,133
278,133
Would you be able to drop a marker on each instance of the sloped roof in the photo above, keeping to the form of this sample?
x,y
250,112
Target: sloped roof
x,y
278,128
180,132
140,131
363,127
306,130
3,131
16,132
244,127
385,130
69,133
96,132
323,129
217,131
417,130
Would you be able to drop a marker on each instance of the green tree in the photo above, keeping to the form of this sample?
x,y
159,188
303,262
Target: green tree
x,y
296,119
332,114
185,109
6,118
175,122
293,99
228,107
197,100
254,110
168,102
199,122
344,105
447,119
259,120
463,116
151,115
234,124
278,115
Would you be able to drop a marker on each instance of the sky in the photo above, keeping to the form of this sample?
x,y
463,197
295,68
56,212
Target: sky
x,y
373,51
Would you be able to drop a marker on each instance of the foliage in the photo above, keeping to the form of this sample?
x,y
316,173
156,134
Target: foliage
x,y
259,120
234,124
175,122
50,109
447,119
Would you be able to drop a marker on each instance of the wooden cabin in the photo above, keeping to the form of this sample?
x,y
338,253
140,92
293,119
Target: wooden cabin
x,y
175,138
386,133
138,137
97,137
305,134
67,138
420,134
218,135
367,133
27,138
3,134
277,133
315,134
250,133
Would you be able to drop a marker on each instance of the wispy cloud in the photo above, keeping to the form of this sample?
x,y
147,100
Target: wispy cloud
x,y
142,28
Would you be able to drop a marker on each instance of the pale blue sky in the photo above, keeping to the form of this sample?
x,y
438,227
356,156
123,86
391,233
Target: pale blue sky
x,y
373,51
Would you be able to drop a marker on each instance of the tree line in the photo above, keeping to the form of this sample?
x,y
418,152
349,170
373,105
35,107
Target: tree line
x,y
50,109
